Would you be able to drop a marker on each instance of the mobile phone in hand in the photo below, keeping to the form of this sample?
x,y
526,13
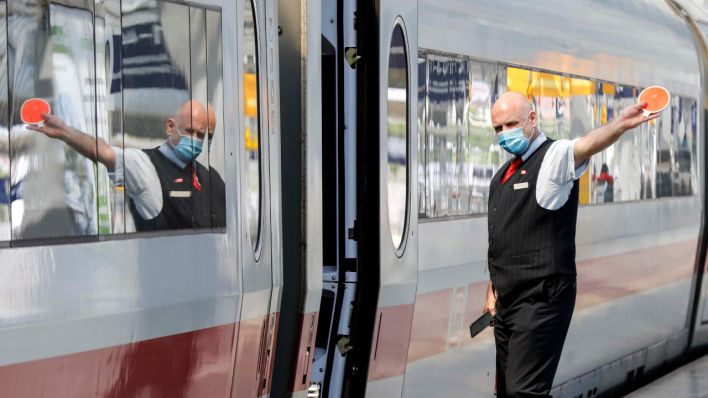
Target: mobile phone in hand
x,y
481,323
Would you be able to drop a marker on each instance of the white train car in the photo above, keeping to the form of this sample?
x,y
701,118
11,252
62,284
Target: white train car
x,y
344,253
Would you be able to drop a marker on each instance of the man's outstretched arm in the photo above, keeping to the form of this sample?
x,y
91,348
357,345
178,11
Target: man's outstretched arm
x,y
94,149
600,138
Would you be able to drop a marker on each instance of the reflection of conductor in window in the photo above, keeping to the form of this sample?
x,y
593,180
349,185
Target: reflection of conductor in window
x,y
168,188
608,182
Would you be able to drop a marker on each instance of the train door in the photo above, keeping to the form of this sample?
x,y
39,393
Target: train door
x,y
257,79
338,189
386,217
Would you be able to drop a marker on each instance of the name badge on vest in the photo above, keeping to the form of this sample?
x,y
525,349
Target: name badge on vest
x,y
521,185
187,194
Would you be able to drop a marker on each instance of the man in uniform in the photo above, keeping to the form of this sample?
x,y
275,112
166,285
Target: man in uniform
x,y
533,206
168,188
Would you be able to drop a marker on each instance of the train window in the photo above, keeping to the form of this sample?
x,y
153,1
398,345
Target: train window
x,y
53,187
458,153
5,193
397,135
252,131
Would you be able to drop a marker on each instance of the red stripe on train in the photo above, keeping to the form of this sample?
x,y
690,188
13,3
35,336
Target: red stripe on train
x,y
193,364
391,334
600,280
306,350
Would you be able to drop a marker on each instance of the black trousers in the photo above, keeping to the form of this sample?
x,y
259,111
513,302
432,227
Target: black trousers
x,y
530,329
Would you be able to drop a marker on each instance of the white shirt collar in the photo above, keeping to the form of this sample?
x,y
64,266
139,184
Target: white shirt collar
x,y
534,145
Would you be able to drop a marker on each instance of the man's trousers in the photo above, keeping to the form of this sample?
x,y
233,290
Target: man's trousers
x,y
530,328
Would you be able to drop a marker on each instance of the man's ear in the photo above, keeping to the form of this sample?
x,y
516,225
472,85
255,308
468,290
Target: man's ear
x,y
532,118
170,125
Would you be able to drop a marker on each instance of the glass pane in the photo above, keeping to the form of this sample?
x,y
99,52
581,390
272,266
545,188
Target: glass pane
x,y
582,120
460,148
647,155
397,128
626,166
551,95
686,147
5,194
215,88
163,124
200,121
53,183
664,155
252,133
109,107
448,97
483,154
422,104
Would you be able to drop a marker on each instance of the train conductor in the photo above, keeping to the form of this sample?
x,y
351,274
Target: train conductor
x,y
533,206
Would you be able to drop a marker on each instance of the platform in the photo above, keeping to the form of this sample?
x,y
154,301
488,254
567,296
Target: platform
x,y
688,381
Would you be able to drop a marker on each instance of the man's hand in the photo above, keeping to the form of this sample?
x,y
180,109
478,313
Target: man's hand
x,y
53,127
491,302
633,116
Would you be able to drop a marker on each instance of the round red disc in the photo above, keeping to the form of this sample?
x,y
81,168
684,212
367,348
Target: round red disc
x,y
656,97
32,109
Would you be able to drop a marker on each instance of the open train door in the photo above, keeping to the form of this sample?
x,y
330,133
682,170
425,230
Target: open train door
x,y
387,197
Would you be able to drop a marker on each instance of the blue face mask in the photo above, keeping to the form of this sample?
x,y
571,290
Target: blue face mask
x,y
188,148
513,140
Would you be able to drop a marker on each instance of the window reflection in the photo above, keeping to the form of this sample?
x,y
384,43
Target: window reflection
x,y
461,148
582,120
397,135
215,93
422,106
252,134
5,192
198,88
551,95
54,187
109,107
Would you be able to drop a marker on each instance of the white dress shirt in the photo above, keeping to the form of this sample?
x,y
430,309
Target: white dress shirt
x,y
141,180
558,172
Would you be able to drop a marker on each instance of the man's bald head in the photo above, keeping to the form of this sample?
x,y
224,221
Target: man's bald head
x,y
191,118
192,111
512,110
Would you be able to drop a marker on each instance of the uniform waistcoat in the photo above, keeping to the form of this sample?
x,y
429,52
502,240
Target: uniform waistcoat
x,y
526,241
178,210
